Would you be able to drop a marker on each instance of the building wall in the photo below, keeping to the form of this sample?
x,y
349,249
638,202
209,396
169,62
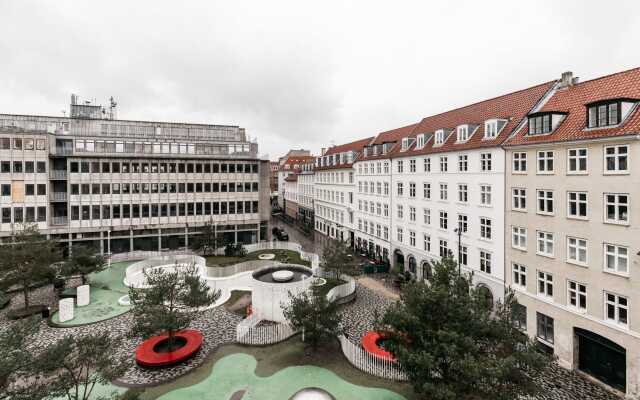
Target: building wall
x,y
106,186
334,202
373,228
427,211
593,228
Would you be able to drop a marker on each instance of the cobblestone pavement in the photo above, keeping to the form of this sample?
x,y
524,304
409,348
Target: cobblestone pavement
x,y
217,325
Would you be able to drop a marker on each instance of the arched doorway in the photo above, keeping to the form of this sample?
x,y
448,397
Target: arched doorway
x,y
602,359
412,264
486,296
398,259
426,270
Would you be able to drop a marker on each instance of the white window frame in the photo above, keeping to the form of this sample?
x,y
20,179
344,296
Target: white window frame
x,y
519,196
444,164
547,239
618,253
463,223
519,275
577,157
463,193
617,306
617,204
519,237
548,156
486,261
486,162
463,163
578,292
545,198
546,279
578,201
520,161
581,246
486,232
486,193
616,155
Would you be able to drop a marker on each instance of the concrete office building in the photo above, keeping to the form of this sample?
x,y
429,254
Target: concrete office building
x,y
124,185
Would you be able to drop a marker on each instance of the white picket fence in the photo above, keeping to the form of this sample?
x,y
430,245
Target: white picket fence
x,y
265,334
235,269
344,290
313,258
369,363
141,255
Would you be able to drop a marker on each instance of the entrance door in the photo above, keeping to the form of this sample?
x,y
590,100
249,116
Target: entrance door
x,y
602,359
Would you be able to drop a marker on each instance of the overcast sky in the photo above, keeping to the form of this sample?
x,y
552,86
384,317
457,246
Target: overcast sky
x,y
300,73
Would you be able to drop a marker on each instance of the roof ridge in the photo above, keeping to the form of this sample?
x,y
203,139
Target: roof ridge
x,y
489,99
606,76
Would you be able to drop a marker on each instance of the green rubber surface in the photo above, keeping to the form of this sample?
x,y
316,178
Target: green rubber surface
x,y
236,372
106,288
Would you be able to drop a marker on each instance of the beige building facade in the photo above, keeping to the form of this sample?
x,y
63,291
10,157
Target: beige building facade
x,y
572,228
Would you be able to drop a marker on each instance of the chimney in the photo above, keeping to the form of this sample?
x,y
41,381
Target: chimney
x,y
566,79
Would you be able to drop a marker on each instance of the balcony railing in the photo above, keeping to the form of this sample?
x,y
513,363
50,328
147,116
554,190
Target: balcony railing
x,y
57,174
59,221
64,151
58,196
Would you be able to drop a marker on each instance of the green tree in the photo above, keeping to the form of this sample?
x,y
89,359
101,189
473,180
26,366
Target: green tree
x,y
455,347
335,258
169,301
27,260
73,366
13,351
316,317
83,261
208,241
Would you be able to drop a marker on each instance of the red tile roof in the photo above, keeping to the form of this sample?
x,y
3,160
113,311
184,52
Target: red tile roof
x,y
573,100
512,107
394,135
353,146
291,161
356,146
391,136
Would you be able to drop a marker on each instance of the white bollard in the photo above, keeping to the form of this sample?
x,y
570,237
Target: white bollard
x,y
83,297
65,309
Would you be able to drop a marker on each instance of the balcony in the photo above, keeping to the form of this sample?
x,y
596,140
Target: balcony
x,y
59,221
57,174
58,196
64,151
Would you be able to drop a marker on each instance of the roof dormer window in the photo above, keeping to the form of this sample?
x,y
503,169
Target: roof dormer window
x,y
544,122
463,133
608,113
420,141
491,129
439,140
405,144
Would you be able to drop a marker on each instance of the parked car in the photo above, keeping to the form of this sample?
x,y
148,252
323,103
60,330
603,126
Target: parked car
x,y
280,233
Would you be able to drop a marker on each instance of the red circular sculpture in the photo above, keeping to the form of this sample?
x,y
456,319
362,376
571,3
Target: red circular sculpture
x,y
370,342
146,355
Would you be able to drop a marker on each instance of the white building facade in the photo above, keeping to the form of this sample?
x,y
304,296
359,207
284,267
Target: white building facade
x,y
373,196
334,193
